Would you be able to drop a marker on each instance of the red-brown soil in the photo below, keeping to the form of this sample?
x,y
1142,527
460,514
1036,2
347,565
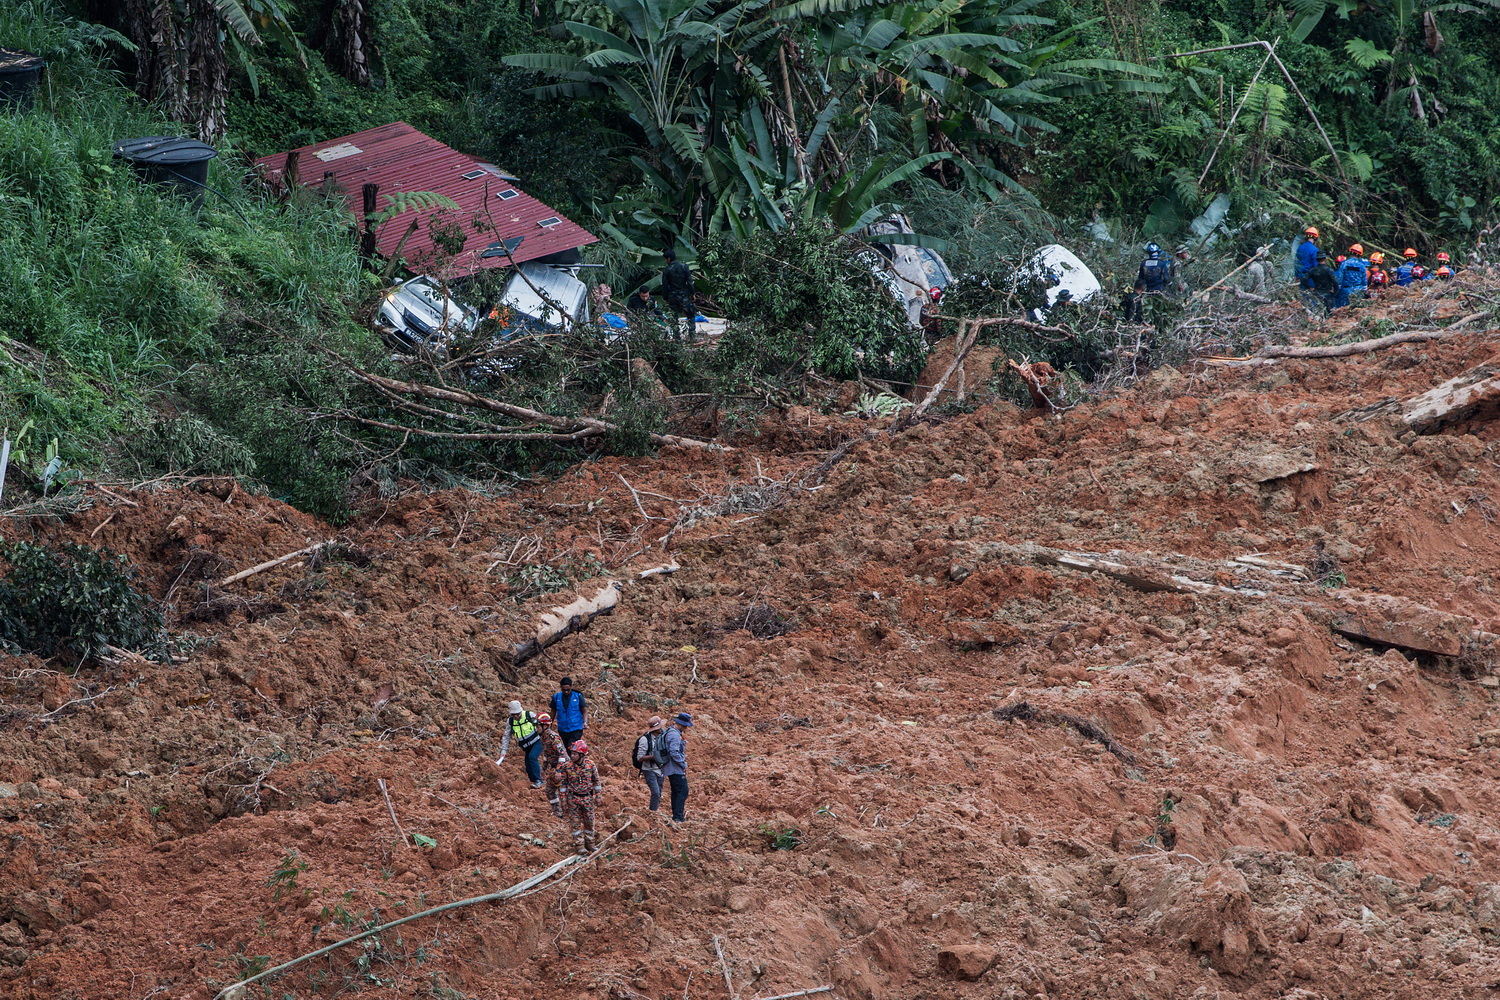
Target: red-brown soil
x,y
1330,808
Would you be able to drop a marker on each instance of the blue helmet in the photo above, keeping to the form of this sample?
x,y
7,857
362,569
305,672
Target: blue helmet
x,y
1152,249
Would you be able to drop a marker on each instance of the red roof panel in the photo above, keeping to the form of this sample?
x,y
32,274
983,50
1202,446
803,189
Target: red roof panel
x,y
402,160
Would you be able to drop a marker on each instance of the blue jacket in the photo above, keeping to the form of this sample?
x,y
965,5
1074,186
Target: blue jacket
x,y
1404,274
1155,274
1354,274
676,753
1307,257
569,717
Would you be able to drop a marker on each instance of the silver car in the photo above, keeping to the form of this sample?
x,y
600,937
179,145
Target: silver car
x,y
417,314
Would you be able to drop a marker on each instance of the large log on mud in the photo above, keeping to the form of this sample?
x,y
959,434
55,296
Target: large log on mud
x,y
566,620
1459,398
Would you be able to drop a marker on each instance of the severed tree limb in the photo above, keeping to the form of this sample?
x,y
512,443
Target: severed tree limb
x,y
566,620
391,807
800,993
474,400
516,435
236,991
728,983
1358,347
270,564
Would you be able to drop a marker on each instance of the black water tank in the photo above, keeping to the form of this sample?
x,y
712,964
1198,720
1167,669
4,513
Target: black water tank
x,y
19,73
166,159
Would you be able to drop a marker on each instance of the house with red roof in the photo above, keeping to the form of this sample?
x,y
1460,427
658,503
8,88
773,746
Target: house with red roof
x,y
499,224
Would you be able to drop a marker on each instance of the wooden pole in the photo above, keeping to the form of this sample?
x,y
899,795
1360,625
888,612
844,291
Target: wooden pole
x,y
270,564
392,809
728,984
235,991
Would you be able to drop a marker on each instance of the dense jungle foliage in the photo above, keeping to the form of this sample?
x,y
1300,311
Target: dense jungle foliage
x,y
146,336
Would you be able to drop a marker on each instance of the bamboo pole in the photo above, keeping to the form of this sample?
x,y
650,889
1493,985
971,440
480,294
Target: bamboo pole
x,y
235,991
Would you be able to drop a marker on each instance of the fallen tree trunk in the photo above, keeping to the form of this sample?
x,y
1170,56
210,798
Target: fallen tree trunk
x,y
566,620
1365,346
236,991
473,400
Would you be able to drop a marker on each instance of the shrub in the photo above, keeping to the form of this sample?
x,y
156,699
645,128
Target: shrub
x,y
75,601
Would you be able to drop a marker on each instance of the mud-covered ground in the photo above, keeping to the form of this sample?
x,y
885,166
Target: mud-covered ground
x,y
1280,811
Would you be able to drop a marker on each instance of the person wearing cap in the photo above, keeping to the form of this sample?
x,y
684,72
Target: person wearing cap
x,y
1406,273
676,766
578,777
554,752
1322,284
649,757
522,725
571,712
1307,252
931,316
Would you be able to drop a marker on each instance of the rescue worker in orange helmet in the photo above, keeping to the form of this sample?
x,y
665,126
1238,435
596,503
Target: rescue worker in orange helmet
x,y
1445,261
1406,273
1443,273
1307,252
1379,277
578,777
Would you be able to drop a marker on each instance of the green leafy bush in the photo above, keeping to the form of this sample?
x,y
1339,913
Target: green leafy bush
x,y
76,602
803,302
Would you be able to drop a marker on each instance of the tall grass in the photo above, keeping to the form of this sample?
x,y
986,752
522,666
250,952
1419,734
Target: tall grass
x,y
125,285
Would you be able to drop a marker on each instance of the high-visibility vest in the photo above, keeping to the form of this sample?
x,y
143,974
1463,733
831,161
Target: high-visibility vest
x,y
524,731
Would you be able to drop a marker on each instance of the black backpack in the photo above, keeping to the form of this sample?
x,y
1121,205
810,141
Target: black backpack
x,y
650,747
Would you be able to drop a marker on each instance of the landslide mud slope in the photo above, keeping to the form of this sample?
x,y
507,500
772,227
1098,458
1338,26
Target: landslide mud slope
x,y
1283,811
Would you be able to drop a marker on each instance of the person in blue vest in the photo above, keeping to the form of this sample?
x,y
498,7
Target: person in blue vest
x,y
571,711
1307,252
522,725
1406,273
1354,276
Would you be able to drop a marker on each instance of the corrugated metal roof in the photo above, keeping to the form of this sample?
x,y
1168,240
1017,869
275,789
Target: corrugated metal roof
x,y
401,159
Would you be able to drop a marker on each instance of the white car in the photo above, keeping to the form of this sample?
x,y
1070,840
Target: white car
x,y
1063,275
543,297
417,314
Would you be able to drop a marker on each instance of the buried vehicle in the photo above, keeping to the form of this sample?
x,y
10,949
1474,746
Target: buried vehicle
x,y
910,272
1059,276
422,313
419,314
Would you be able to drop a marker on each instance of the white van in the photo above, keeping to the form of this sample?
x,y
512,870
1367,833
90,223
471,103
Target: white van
x,y
543,298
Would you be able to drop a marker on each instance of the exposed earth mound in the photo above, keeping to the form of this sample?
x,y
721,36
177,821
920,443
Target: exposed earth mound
x,y
1187,692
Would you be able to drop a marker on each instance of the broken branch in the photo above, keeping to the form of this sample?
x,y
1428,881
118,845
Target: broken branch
x,y
270,564
390,807
462,397
235,991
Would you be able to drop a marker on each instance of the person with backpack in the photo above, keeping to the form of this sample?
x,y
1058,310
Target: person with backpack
x,y
651,756
675,768
522,726
1406,273
571,710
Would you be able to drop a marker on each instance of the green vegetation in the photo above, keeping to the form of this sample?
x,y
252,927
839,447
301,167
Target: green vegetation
x,y
76,602
146,335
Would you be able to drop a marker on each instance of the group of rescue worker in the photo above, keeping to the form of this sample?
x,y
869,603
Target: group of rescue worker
x,y
1328,284
1354,275
565,769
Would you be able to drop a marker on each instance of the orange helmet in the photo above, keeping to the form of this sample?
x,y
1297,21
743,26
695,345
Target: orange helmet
x,y
1377,257
1409,253
1444,257
1311,231
1357,249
